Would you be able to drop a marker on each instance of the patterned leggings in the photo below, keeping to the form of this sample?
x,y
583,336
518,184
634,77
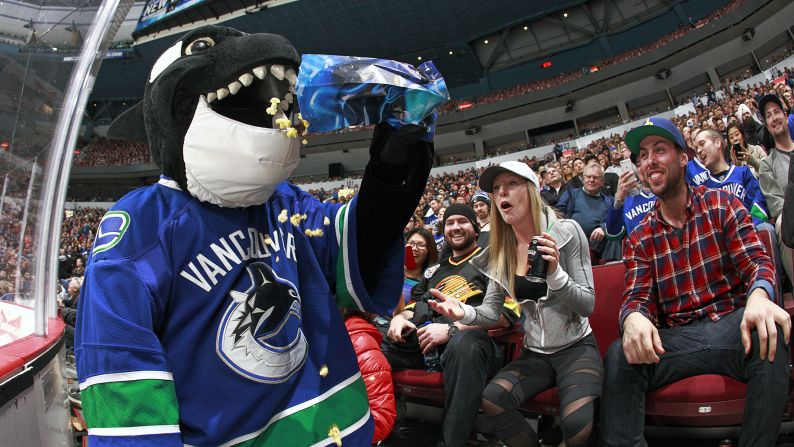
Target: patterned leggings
x,y
576,371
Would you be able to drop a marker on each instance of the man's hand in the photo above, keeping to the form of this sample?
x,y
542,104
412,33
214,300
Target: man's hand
x,y
399,325
641,342
597,234
761,314
446,305
626,183
432,335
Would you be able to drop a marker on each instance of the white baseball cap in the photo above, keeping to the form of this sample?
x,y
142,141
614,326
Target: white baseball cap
x,y
518,168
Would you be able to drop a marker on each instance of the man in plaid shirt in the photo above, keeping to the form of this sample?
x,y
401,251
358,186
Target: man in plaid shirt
x,y
698,300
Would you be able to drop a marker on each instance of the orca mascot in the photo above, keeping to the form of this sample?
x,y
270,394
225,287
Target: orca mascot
x,y
209,308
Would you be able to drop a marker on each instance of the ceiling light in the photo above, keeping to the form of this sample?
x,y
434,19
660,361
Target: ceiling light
x,y
450,52
419,58
486,41
565,14
526,27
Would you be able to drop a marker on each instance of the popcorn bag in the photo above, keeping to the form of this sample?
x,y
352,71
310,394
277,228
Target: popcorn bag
x,y
335,92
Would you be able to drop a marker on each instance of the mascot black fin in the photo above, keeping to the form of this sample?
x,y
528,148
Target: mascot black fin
x,y
129,125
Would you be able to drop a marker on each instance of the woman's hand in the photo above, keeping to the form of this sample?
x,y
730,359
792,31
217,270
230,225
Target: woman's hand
x,y
548,246
446,305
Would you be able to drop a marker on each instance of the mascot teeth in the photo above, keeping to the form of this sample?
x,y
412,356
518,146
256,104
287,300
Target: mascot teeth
x,y
292,77
260,72
222,93
277,71
235,87
247,79
212,96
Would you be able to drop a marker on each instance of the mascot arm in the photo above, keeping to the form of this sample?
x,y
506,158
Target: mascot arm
x,y
125,384
393,182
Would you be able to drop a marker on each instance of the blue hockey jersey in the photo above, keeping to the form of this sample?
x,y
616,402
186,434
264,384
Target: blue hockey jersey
x,y
202,325
622,220
738,180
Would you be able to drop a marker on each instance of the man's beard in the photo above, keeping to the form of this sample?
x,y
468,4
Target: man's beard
x,y
466,243
671,186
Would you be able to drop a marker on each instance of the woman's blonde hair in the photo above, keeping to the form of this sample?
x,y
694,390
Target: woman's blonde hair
x,y
502,242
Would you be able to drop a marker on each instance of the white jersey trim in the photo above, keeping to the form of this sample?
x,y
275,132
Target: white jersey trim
x,y
135,431
127,377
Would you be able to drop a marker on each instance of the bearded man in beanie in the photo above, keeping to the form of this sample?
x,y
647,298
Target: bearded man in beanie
x,y
482,207
468,355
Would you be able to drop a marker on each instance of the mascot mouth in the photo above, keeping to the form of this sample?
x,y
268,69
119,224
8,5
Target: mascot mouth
x,y
261,96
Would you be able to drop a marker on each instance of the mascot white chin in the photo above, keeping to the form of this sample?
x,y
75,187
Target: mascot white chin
x,y
209,309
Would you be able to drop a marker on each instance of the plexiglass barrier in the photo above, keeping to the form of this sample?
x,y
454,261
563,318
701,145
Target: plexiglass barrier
x,y
47,70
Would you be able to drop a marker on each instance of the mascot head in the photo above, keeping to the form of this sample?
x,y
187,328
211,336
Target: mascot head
x,y
217,114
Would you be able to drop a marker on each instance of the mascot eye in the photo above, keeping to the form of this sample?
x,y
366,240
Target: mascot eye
x,y
199,45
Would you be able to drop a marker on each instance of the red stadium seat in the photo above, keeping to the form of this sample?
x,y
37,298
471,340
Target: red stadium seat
x,y
417,384
608,284
706,400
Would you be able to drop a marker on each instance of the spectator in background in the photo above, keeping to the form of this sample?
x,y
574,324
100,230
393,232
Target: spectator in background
x,y
577,180
773,172
470,356
742,153
751,122
68,309
588,207
425,254
682,299
633,200
553,186
79,268
711,149
482,207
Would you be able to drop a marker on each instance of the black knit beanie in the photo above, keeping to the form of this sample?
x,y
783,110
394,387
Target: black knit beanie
x,y
463,210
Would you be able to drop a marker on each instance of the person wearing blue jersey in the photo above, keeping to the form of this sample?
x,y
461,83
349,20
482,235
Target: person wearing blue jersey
x,y
711,151
633,200
209,311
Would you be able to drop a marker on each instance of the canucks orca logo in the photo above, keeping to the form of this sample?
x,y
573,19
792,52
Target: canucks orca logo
x,y
260,333
110,230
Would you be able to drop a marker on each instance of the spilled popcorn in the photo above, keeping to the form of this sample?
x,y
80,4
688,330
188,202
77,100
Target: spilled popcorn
x,y
297,218
336,435
282,216
326,221
324,371
273,106
283,123
314,233
292,132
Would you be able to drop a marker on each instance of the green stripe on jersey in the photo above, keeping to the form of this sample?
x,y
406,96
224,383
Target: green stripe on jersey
x,y
130,404
344,297
313,424
759,213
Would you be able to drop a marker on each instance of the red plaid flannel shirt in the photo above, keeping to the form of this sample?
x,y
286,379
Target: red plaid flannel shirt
x,y
709,271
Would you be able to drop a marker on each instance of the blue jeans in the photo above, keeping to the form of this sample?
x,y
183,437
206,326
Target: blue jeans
x,y
704,347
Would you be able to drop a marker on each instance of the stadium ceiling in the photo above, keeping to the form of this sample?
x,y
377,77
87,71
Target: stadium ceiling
x,y
449,32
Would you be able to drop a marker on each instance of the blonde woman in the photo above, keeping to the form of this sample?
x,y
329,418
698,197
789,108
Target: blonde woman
x,y
559,348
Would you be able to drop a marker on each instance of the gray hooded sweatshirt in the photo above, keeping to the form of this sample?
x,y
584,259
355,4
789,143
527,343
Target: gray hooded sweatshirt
x,y
558,319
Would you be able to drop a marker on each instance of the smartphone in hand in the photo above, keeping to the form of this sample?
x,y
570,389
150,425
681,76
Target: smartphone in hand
x,y
626,165
410,261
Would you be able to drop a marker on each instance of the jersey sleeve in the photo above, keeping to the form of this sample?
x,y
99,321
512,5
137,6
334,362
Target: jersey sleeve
x,y
613,223
127,391
336,247
754,199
